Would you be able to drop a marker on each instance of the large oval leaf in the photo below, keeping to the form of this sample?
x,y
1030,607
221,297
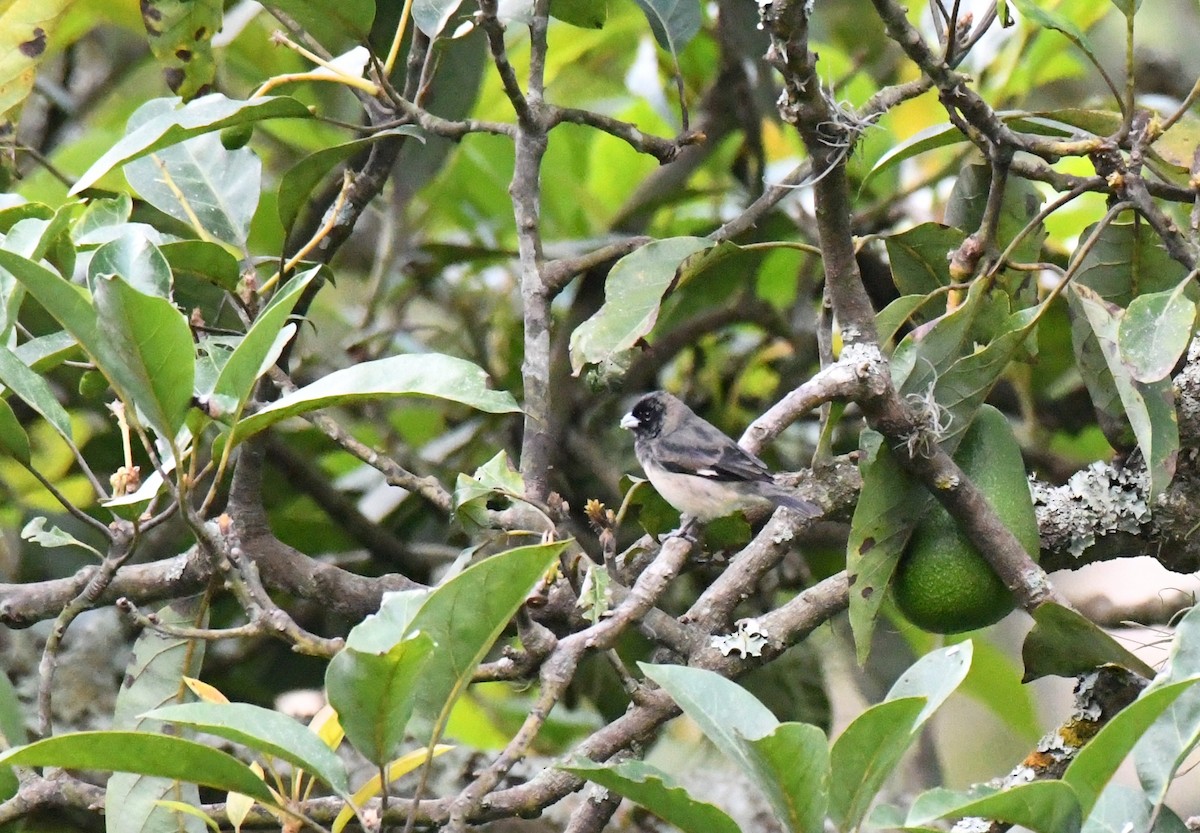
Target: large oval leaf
x,y
428,374
204,115
149,351
633,294
263,730
375,692
154,678
655,790
144,753
201,183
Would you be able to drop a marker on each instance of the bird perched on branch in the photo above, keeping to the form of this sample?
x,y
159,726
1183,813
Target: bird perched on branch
x,y
696,467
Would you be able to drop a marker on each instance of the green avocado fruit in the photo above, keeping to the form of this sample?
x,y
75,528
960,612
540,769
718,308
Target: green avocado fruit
x,y
942,583
237,135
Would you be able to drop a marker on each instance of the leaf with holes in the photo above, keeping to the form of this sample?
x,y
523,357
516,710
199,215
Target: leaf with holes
x,y
180,35
25,29
633,295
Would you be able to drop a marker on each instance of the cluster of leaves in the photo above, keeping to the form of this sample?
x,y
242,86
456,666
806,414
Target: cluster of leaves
x,y
810,783
536,256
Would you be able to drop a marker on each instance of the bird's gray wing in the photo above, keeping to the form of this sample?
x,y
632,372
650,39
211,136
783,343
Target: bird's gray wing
x,y
699,448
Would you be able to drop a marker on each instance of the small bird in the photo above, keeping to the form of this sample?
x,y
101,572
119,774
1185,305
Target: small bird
x,y
696,468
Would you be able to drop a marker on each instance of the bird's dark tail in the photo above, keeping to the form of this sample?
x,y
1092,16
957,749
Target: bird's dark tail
x,y
785,497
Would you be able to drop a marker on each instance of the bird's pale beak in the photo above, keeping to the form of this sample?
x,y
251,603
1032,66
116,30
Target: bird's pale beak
x,y
630,422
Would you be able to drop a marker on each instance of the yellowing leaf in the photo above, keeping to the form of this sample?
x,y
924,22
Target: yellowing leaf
x,y
396,770
206,692
326,725
25,29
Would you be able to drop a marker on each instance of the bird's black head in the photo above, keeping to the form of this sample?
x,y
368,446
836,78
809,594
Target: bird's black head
x,y
647,416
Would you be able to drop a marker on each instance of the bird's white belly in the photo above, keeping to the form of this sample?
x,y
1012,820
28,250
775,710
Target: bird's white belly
x,y
700,497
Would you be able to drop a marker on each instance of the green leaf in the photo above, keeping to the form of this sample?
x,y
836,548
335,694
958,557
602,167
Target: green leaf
x,y
429,374
1019,207
1065,644
586,14
1150,407
1099,759
12,727
13,438
144,753
747,733
491,591
869,749
654,790
726,713
145,348
673,22
70,305
263,730
254,354
931,138
935,677
210,261
431,16
1121,809
1049,19
796,758
47,352
114,350
889,505
25,29
919,261
472,493
633,294
154,678
964,386
153,358
1043,806
1127,260
329,19
34,392
1154,332
375,692
155,673
865,754
203,115
51,537
930,350
136,260
201,183
1171,739
99,217
180,33
299,180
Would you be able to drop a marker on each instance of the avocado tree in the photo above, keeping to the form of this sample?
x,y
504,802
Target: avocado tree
x,y
319,319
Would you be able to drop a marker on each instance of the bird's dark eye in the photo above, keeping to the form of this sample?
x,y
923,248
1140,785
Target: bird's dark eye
x,y
649,414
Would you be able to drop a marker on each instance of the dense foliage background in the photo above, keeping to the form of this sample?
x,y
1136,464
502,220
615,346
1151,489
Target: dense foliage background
x,y
320,305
